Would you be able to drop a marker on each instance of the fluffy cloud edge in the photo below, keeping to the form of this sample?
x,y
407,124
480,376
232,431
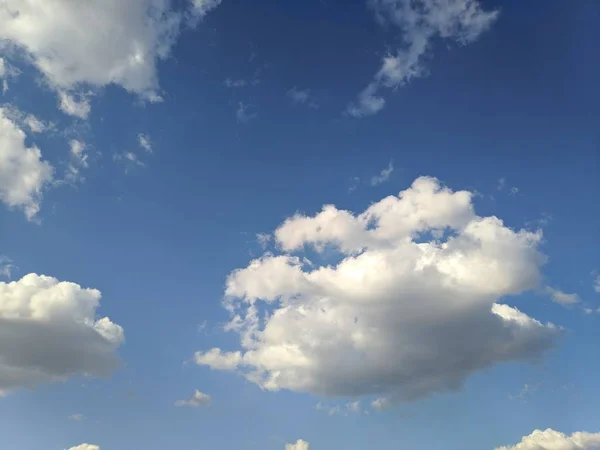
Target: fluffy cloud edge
x,y
284,344
550,439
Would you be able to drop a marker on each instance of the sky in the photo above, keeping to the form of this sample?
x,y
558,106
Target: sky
x,y
311,225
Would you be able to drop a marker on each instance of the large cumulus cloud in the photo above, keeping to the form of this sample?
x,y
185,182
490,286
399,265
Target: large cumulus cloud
x,y
415,305
400,314
49,332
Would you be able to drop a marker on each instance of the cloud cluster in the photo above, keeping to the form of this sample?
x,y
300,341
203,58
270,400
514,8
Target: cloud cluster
x,y
420,22
413,306
196,400
23,174
49,332
129,39
555,440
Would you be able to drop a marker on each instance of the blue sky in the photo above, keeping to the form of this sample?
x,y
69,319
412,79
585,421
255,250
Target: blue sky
x,y
156,175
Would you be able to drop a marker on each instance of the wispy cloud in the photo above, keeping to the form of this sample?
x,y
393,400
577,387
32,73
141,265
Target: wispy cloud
x,y
561,297
234,83
383,176
196,400
302,97
26,120
145,142
75,104
349,408
353,184
243,113
263,239
202,7
526,391
77,417
6,267
7,71
78,161
501,186
129,159
381,403
368,104
420,23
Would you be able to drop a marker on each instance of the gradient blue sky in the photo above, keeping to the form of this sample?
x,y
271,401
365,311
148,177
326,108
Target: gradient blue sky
x,y
516,108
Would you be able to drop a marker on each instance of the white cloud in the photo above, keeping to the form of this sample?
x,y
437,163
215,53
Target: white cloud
x,y
78,151
76,417
145,142
555,440
23,174
85,447
420,22
401,315
383,176
561,297
129,39
196,400
34,124
218,360
76,105
299,445
49,332
597,284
